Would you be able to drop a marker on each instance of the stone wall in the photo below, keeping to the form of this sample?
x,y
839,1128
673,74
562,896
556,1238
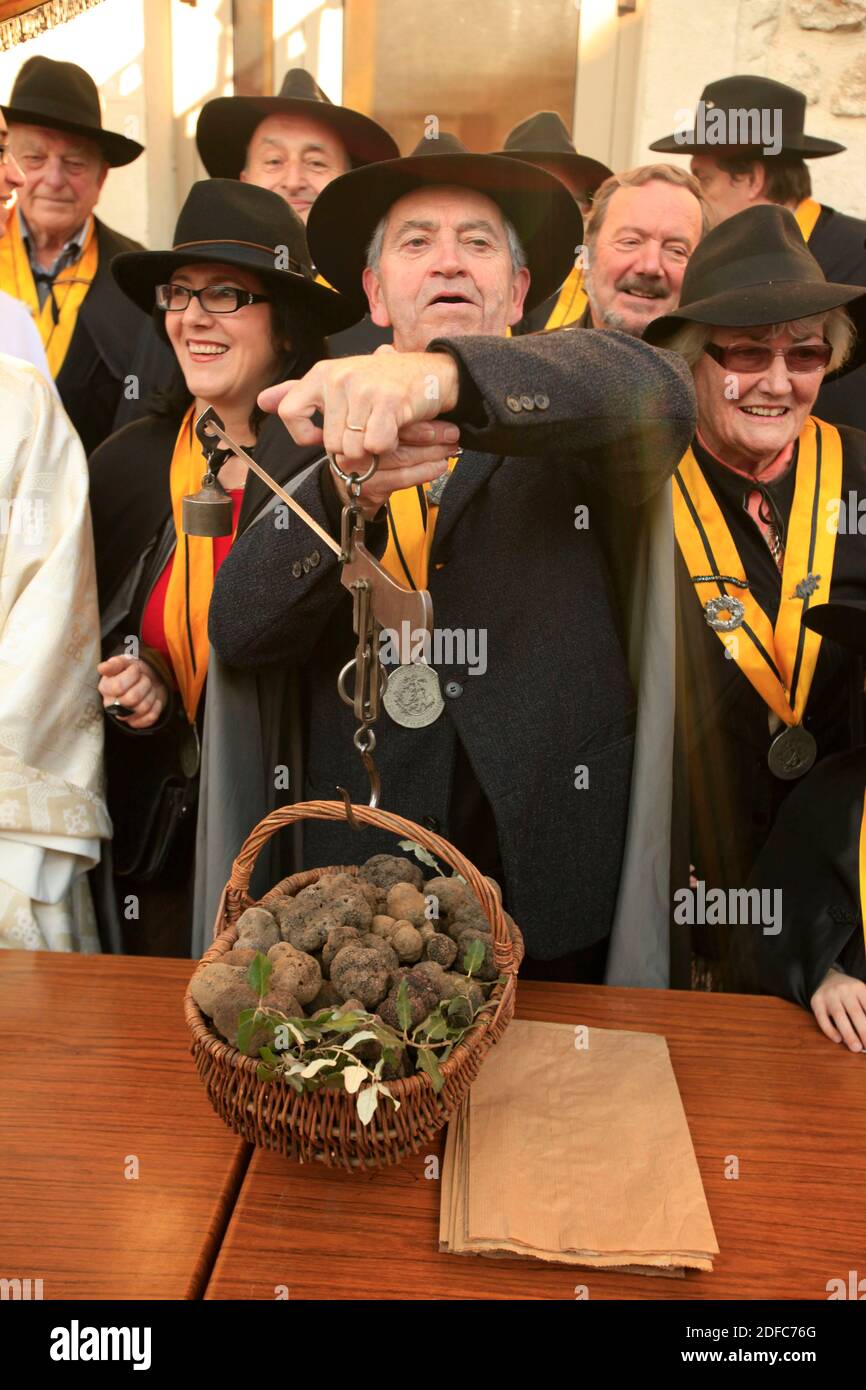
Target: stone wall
x,y
816,45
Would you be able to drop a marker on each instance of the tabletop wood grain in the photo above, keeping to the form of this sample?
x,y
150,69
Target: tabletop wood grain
x,y
759,1083
95,1073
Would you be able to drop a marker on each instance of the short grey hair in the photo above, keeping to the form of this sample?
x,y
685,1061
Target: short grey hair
x,y
637,178
515,246
690,339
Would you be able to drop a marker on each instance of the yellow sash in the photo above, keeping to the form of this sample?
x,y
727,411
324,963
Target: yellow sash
x,y
863,870
188,594
70,288
571,302
807,214
779,662
409,537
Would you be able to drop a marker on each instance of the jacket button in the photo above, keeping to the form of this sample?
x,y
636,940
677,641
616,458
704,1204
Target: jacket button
x,y
431,822
315,557
453,689
541,400
305,564
527,402
513,403
296,569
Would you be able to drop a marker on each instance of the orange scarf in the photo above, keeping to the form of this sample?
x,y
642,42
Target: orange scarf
x,y
68,291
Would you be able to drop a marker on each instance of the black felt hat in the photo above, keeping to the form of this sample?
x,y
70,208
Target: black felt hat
x,y
734,95
226,125
753,269
241,225
541,209
842,620
543,137
63,96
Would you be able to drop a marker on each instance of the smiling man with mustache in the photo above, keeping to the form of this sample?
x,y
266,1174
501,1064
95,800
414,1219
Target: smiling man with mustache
x,y
643,228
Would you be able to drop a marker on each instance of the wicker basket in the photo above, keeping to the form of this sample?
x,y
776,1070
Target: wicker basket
x,y
324,1124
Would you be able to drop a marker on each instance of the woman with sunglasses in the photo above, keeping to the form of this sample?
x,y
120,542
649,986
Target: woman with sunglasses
x,y
237,301
756,506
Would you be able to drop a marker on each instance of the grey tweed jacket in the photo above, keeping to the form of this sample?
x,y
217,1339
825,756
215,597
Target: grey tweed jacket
x,y
548,424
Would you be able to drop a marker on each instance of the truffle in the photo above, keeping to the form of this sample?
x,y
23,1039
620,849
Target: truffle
x,y
441,949
452,893
407,942
384,870
300,974
359,972
382,925
406,904
488,969
228,1005
385,949
207,983
469,988
280,951
338,937
422,997
281,996
242,955
327,998
258,929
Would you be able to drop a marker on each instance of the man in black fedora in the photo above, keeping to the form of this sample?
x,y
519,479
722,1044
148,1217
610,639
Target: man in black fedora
x,y
56,253
540,762
294,143
543,140
748,147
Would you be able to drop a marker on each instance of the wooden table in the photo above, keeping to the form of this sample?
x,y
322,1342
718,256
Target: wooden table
x,y
758,1082
95,1073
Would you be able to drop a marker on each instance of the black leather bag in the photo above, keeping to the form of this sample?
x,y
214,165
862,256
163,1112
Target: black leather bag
x,y
153,782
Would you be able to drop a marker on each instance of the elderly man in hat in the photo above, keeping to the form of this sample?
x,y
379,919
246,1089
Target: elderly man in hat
x,y
748,147
524,757
294,143
543,140
56,253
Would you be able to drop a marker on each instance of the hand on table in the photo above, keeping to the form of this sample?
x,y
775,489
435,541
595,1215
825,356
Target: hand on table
x,y
839,1005
133,683
392,399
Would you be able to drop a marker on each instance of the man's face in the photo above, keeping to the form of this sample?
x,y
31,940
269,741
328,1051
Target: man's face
x,y
639,256
295,157
445,269
64,176
11,177
725,194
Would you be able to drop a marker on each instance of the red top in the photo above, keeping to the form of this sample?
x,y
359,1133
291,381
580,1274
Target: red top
x,y
153,621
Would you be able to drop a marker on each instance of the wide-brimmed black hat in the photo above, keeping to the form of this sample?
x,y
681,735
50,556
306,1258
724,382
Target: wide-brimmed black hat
x,y
733,95
842,620
540,208
63,96
753,269
543,137
241,225
226,125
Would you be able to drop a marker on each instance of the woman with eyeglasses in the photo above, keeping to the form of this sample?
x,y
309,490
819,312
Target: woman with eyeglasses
x,y
760,539
238,303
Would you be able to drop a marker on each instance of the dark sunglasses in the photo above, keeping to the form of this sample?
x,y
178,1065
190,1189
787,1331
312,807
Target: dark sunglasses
x,y
214,299
757,357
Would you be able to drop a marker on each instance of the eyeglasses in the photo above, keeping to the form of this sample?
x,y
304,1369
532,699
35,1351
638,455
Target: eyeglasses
x,y
756,357
214,299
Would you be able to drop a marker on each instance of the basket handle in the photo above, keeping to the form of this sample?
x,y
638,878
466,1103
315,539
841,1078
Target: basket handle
x,y
236,898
